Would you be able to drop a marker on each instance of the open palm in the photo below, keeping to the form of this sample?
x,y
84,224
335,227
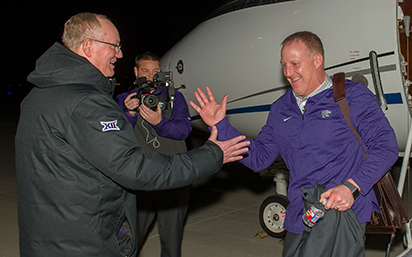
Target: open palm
x,y
210,111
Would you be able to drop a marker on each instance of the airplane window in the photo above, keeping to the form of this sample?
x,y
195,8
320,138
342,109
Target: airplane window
x,y
235,5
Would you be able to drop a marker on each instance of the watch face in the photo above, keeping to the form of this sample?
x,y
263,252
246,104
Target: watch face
x,y
356,193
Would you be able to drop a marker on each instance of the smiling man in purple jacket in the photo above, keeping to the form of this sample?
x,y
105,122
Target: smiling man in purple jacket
x,y
307,128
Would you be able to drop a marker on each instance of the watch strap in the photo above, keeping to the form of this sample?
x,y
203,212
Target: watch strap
x,y
353,188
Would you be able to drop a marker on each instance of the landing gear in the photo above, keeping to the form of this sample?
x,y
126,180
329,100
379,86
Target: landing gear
x,y
272,215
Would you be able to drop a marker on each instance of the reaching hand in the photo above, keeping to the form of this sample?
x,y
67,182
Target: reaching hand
x,y
210,111
232,148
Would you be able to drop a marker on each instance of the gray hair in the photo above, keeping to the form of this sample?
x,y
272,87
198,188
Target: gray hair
x,y
81,26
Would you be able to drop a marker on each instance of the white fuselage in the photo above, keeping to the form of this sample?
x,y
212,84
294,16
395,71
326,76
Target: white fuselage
x,y
238,53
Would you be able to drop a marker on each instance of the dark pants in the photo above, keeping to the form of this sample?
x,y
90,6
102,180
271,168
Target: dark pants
x,y
171,208
293,242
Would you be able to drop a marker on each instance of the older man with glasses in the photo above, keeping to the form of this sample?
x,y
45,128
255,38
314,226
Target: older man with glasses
x,y
77,158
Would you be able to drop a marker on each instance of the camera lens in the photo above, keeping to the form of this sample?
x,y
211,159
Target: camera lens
x,y
150,101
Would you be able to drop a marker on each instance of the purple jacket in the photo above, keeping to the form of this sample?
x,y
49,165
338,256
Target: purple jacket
x,y
319,146
178,127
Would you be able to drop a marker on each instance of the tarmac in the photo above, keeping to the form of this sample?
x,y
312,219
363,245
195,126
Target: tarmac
x,y
222,221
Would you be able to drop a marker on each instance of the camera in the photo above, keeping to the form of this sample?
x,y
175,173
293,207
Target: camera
x,y
144,87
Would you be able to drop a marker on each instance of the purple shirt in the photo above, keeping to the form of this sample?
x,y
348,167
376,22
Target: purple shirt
x,y
319,146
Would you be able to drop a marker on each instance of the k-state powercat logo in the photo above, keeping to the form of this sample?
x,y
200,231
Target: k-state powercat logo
x,y
109,125
326,113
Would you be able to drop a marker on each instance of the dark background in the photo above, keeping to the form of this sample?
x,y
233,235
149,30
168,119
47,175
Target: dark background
x,y
29,28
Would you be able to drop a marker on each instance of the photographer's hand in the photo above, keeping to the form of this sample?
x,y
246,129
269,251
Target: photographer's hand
x,y
131,103
210,111
153,117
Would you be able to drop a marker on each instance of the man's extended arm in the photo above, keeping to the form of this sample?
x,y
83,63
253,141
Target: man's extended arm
x,y
124,162
263,150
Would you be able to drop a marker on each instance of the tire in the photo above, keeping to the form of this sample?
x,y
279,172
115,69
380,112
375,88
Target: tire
x,y
272,215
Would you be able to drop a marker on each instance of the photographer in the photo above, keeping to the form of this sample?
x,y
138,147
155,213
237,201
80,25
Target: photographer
x,y
162,128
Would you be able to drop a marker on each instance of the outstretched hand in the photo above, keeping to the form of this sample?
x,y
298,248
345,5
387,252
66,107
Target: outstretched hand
x,y
210,111
232,148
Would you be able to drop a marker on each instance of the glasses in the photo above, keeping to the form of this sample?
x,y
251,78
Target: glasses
x,y
117,48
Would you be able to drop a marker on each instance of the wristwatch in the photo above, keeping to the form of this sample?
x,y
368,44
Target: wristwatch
x,y
353,189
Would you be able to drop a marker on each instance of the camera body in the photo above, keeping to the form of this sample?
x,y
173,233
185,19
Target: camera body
x,y
144,87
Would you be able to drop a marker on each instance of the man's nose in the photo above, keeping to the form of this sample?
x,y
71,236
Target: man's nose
x,y
119,54
151,75
287,71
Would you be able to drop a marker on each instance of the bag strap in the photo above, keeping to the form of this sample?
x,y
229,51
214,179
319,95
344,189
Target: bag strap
x,y
339,94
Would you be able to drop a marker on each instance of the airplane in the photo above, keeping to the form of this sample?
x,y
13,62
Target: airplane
x,y
236,51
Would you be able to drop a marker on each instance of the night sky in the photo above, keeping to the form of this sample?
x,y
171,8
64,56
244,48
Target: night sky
x,y
29,28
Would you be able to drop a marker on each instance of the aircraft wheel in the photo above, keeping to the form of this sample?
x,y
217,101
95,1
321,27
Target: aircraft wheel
x,y
272,215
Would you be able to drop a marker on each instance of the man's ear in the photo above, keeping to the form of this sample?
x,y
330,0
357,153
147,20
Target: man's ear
x,y
135,71
87,47
318,58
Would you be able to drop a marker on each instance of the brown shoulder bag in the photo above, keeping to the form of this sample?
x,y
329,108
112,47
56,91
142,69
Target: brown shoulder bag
x,y
393,213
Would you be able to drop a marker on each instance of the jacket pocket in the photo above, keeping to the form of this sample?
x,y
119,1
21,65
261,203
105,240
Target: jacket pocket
x,y
124,237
